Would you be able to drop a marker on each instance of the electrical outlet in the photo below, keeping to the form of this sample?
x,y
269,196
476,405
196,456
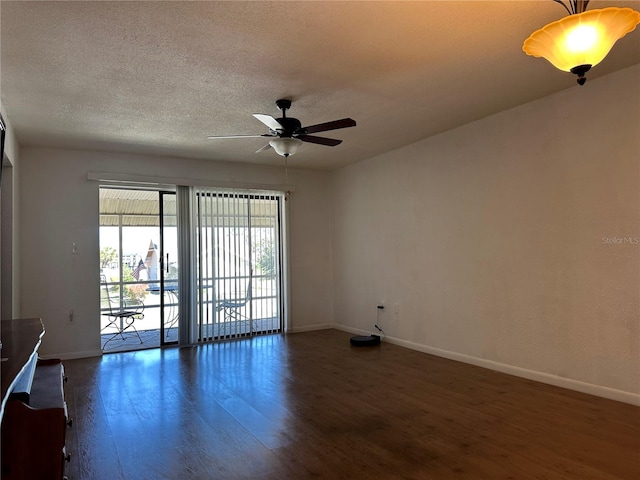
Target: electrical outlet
x,y
396,311
71,316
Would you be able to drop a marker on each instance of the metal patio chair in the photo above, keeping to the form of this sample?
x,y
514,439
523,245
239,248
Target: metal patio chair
x,y
121,317
232,308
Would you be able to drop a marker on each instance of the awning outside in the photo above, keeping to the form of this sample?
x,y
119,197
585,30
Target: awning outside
x,y
141,208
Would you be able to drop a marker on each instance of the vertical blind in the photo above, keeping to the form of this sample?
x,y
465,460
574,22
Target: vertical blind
x,y
238,263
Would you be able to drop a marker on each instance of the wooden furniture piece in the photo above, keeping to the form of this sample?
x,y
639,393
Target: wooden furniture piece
x,y
34,412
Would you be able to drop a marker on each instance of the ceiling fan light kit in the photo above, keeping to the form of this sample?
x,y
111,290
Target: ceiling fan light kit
x,y
288,133
285,146
583,39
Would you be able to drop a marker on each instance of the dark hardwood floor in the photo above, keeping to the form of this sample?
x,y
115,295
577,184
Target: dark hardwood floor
x,y
309,405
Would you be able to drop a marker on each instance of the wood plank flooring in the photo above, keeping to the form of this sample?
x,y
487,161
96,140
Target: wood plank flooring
x,y
309,405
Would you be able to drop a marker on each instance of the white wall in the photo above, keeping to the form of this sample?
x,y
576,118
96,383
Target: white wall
x,y
310,251
59,206
489,239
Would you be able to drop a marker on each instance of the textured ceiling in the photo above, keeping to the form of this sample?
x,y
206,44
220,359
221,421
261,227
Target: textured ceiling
x,y
158,77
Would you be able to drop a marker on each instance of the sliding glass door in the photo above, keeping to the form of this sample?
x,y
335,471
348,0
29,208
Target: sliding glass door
x,y
231,279
138,269
169,269
238,264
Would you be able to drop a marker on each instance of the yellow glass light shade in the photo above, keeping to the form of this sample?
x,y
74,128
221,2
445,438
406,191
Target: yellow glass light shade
x,y
581,39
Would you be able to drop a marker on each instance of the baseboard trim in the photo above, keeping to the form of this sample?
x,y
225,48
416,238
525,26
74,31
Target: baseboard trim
x,y
576,385
311,328
73,355
355,331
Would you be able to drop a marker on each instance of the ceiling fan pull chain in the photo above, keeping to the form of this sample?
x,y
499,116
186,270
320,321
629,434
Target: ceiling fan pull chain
x,y
287,194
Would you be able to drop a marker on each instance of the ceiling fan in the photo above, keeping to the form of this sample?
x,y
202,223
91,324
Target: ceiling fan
x,y
288,133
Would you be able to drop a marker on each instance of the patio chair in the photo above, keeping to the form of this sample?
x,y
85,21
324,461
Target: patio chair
x,y
171,316
121,317
232,308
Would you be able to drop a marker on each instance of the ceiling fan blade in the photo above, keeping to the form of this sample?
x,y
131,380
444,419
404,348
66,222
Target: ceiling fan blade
x,y
269,121
323,127
330,142
215,137
266,147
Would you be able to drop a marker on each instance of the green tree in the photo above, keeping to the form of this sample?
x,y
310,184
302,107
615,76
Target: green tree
x,y
107,255
135,293
265,257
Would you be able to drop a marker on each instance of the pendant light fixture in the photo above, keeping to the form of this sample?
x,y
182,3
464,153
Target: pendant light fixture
x,y
582,40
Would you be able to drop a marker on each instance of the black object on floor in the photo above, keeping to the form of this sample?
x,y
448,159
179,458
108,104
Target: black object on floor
x,y
365,340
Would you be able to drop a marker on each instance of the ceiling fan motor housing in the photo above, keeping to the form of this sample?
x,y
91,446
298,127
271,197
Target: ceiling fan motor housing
x,y
290,126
